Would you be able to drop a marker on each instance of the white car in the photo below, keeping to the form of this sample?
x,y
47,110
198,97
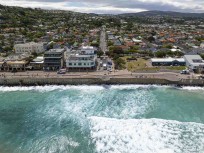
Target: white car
x,y
105,66
185,72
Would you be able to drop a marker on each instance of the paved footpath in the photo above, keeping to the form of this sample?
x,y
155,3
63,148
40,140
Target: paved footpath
x,y
119,74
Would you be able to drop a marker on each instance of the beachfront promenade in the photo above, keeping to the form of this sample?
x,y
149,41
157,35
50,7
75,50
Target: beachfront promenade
x,y
124,74
32,78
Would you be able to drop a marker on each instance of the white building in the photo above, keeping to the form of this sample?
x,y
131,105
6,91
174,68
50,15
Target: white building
x,y
194,62
76,61
29,48
87,50
168,61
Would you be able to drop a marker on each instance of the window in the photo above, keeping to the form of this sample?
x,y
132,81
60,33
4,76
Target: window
x,y
80,64
92,63
84,63
70,64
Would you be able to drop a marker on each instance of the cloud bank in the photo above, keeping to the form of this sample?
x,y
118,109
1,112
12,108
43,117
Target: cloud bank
x,y
112,6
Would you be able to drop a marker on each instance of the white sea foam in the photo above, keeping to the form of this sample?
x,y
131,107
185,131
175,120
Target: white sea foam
x,y
87,88
193,88
114,104
146,136
121,87
50,88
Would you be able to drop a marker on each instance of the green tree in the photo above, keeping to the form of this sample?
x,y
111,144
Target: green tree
x,y
7,49
169,46
151,39
202,55
100,53
110,43
119,63
95,44
34,54
160,54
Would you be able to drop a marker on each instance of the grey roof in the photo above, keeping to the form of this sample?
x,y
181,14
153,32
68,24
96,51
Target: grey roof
x,y
55,51
194,60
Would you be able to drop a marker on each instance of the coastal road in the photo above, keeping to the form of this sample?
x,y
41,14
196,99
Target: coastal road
x,y
103,41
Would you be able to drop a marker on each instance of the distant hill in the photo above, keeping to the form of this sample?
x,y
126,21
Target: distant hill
x,y
1,6
164,13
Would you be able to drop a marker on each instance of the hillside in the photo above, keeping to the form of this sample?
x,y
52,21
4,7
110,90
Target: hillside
x,y
164,13
25,17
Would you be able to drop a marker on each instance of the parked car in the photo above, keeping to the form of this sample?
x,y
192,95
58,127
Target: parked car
x,y
104,66
109,69
110,63
62,71
185,72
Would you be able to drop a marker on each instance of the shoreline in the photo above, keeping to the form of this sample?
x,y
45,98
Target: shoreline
x,y
98,81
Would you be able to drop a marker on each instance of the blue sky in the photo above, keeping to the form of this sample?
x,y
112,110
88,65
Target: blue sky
x,y
112,6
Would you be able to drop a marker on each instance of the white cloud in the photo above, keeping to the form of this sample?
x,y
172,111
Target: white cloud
x,y
111,6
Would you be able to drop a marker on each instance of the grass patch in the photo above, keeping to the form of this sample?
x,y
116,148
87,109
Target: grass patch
x,y
134,65
179,68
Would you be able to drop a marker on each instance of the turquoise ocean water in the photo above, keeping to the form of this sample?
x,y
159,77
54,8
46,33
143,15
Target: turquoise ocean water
x,y
101,119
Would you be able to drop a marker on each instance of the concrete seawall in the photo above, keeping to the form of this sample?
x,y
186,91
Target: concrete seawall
x,y
95,81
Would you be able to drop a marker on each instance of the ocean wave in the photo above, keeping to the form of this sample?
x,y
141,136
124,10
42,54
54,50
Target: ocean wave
x,y
146,136
49,88
121,87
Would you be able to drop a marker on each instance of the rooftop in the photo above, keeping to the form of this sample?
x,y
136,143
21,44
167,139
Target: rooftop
x,y
14,57
55,51
30,43
87,47
194,60
170,59
39,59
14,62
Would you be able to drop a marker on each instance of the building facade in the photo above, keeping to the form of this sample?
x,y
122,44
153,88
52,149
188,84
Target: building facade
x,y
76,61
53,60
13,65
29,48
37,63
